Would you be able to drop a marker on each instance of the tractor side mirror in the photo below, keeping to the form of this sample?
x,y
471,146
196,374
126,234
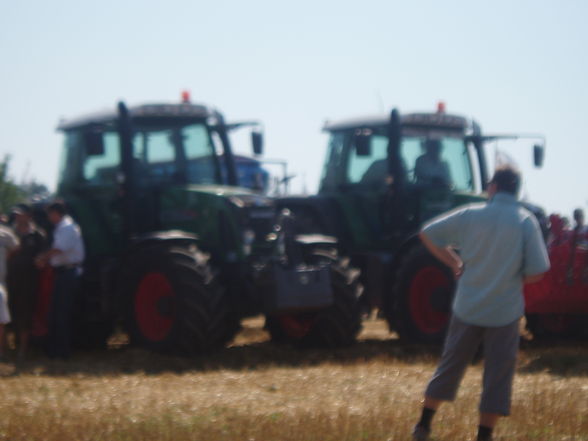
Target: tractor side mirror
x,y
94,143
257,142
538,155
362,142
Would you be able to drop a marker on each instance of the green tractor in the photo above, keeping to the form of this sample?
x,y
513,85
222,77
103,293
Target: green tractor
x,y
382,178
177,252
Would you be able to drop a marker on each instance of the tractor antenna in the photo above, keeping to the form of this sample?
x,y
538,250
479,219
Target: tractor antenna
x,y
380,101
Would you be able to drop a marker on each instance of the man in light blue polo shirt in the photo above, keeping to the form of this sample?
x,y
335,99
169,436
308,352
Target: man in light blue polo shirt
x,y
500,248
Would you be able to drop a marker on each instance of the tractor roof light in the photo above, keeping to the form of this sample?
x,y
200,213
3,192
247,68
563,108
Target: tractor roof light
x,y
441,107
185,97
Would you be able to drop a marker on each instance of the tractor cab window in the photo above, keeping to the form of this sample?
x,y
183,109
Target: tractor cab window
x,y
81,164
103,167
369,166
334,161
200,154
68,173
434,161
175,155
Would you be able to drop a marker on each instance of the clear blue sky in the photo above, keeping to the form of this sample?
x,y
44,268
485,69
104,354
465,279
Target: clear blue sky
x,y
513,65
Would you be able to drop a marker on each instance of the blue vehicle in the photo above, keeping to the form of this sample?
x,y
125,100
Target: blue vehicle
x,y
251,174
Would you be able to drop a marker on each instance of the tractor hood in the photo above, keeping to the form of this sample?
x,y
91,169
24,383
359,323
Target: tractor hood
x,y
186,207
239,196
229,221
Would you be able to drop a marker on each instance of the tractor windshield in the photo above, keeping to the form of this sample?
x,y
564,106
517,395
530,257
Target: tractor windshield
x,y
426,160
184,154
162,154
437,161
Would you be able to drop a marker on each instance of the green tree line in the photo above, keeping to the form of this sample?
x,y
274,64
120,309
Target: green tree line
x,y
12,193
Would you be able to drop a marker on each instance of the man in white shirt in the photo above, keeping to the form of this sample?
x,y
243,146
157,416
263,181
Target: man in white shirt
x,y
66,257
8,242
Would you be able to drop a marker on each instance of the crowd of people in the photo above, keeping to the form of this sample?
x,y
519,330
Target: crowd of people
x,y
27,254
560,225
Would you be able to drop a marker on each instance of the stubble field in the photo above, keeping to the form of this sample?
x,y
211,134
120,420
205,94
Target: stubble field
x,y
255,390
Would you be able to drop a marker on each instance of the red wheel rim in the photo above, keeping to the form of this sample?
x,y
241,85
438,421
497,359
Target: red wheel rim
x,y
153,296
296,326
427,283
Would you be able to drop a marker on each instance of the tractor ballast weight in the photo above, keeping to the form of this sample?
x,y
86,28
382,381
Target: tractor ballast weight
x,y
178,252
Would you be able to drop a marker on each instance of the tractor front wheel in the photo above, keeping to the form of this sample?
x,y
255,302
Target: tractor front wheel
x,y
423,290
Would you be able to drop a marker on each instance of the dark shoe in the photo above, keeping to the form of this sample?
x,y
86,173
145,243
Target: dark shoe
x,y
419,433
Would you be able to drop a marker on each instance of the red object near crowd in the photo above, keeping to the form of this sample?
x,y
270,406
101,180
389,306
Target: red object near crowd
x,y
557,303
41,312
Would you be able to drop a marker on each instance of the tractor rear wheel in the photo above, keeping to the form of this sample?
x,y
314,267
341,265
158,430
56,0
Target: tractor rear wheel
x,y
174,302
423,290
336,325
93,322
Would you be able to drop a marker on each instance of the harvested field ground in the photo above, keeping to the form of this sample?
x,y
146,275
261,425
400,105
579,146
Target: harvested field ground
x,y
255,390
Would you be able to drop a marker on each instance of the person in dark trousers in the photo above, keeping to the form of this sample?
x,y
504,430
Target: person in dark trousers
x,y
500,247
65,256
23,275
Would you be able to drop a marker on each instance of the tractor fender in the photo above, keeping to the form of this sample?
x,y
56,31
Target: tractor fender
x,y
316,239
310,243
170,238
410,241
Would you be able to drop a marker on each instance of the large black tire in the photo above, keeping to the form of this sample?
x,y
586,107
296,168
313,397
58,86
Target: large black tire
x,y
419,305
94,316
337,325
174,303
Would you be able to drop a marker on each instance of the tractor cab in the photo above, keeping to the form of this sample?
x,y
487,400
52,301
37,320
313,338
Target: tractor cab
x,y
394,173
177,154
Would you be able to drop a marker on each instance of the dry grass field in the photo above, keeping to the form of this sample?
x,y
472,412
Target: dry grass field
x,y
258,391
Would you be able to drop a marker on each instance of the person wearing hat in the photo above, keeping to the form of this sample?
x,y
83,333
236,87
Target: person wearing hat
x,y
500,247
23,276
8,243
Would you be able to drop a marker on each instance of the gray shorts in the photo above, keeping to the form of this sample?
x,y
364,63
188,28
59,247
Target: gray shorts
x,y
500,345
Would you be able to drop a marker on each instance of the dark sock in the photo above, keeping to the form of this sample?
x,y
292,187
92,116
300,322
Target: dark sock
x,y
426,418
484,433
